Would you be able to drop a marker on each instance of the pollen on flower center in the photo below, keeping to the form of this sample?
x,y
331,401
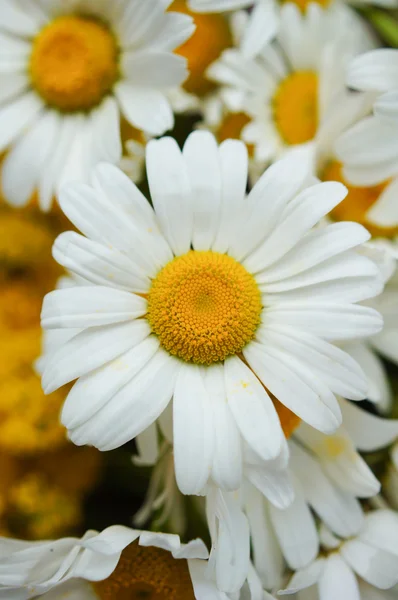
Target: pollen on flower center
x,y
147,573
204,306
74,63
295,107
358,201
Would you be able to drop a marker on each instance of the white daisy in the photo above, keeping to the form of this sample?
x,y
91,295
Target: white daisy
x,y
369,150
69,72
99,566
349,568
288,89
264,19
205,299
367,352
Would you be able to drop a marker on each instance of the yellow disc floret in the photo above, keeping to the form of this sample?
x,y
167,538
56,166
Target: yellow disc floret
x,y
204,306
295,107
150,573
74,63
211,36
358,201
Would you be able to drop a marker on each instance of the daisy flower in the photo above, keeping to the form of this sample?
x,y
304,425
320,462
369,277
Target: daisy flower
x,y
265,16
213,299
69,73
288,89
353,568
369,150
100,566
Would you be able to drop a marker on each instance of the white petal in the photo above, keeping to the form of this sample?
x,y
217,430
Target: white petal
x,y
106,138
170,192
175,29
329,363
377,567
338,580
304,578
374,71
234,169
316,247
275,485
298,389
90,306
203,164
379,390
384,211
204,588
193,430
305,212
227,454
263,541
142,399
261,29
387,105
19,22
381,530
17,116
89,350
253,409
155,69
92,391
340,510
266,203
13,85
118,189
146,109
99,264
96,218
296,531
368,432
29,156
330,321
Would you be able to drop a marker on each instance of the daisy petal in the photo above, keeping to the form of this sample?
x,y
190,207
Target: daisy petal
x,y
143,399
252,408
296,531
90,306
203,164
374,71
102,265
17,116
155,69
307,209
338,580
29,155
265,203
92,391
89,350
145,108
193,430
295,386
234,169
170,192
227,459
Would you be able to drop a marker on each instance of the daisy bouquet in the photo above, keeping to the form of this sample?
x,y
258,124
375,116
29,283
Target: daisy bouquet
x,y
199,223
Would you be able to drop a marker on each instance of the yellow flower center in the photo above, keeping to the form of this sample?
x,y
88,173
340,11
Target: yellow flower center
x,y
74,63
303,4
295,107
204,306
358,201
147,574
211,36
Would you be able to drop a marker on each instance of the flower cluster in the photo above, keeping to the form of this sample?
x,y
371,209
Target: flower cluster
x,y
218,181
